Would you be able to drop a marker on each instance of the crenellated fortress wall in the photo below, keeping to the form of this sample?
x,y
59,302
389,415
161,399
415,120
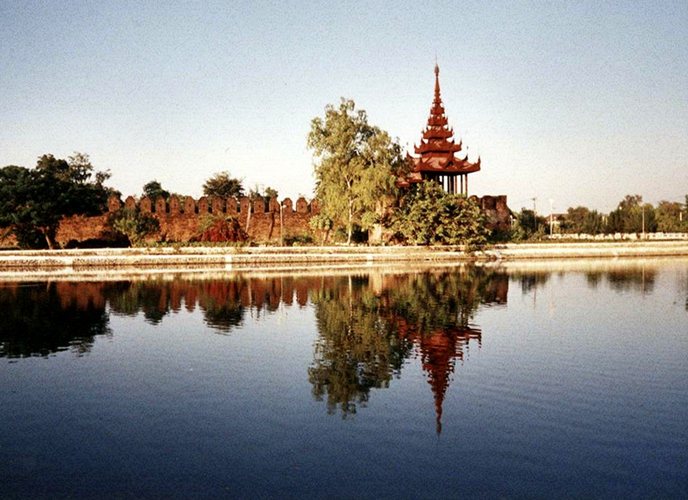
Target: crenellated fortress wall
x,y
496,211
183,218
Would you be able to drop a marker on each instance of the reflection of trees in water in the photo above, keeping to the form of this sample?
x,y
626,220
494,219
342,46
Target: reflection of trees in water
x,y
593,279
682,285
44,318
624,279
439,300
641,280
619,279
356,350
367,330
433,312
530,280
129,299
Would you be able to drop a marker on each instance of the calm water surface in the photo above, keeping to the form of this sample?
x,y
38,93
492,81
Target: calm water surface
x,y
566,380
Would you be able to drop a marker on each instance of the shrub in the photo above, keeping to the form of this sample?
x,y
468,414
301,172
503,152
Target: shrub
x,y
134,224
429,216
220,229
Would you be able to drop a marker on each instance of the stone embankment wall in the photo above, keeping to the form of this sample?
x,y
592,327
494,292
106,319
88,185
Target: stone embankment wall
x,y
125,263
619,236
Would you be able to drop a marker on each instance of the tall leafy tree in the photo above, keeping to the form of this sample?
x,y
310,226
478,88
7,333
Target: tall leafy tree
x,y
669,217
223,186
16,193
355,166
32,201
632,216
582,220
528,225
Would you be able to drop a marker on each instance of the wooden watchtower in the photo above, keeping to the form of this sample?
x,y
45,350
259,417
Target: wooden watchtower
x,y
437,158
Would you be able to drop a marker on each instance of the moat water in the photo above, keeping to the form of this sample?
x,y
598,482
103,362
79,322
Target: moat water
x,y
546,380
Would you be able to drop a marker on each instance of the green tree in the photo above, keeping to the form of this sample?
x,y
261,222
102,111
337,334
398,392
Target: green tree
x,y
574,220
669,217
134,224
529,225
632,216
582,220
32,201
15,195
154,190
429,216
321,224
593,223
355,166
223,186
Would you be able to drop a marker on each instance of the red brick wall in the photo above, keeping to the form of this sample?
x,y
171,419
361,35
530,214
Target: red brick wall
x,y
181,219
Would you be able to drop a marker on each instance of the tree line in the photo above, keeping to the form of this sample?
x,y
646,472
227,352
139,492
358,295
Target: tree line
x,y
631,215
357,166
34,200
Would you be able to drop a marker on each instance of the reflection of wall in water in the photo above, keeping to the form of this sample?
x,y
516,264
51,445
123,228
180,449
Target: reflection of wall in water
x,y
369,324
222,302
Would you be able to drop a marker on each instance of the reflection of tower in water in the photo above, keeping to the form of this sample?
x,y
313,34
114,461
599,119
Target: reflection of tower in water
x,y
439,350
435,318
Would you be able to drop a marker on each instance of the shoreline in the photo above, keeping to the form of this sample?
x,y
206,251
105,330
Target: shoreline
x,y
164,260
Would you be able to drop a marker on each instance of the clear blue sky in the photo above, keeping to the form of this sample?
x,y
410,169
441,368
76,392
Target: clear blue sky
x,y
580,102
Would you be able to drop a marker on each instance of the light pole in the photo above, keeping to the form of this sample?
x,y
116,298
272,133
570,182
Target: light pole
x,y
551,217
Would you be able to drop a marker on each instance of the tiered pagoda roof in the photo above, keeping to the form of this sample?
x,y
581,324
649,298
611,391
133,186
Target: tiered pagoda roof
x,y
437,149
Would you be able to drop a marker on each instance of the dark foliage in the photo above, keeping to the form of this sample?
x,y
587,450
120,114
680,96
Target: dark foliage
x,y
32,201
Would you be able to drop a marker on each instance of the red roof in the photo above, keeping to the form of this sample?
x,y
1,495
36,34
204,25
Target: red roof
x,y
437,149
